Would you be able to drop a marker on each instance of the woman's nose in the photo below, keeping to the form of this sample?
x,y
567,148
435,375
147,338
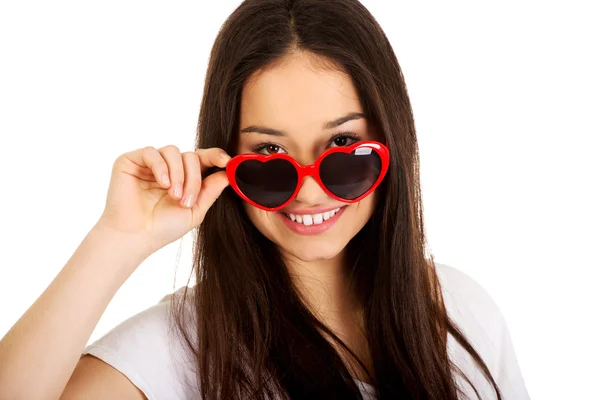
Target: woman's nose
x,y
311,193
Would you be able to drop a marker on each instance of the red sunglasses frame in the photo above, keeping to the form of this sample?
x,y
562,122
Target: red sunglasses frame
x,y
309,170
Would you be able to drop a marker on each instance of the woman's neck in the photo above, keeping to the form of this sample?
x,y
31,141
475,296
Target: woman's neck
x,y
325,287
327,291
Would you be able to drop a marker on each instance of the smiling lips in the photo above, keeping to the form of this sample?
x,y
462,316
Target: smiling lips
x,y
311,224
310,219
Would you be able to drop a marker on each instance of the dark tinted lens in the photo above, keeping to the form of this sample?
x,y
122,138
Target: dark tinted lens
x,y
269,184
350,175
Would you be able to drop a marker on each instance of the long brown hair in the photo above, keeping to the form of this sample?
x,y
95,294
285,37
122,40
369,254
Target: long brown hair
x,y
252,336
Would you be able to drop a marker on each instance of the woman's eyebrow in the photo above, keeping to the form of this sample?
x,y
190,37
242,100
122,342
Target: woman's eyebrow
x,y
326,125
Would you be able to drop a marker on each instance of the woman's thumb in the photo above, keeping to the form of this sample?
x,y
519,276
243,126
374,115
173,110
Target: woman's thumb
x,y
211,189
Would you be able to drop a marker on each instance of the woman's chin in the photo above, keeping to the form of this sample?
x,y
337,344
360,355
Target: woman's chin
x,y
315,251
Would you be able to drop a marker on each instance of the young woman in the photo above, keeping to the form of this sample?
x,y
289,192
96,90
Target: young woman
x,y
313,279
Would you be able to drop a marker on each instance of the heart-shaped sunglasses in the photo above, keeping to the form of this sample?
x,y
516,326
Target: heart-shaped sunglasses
x,y
347,173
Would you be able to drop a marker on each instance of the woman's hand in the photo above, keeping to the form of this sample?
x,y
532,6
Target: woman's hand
x,y
140,202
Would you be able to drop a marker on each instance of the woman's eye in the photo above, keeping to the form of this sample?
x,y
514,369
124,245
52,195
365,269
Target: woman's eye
x,y
269,149
342,141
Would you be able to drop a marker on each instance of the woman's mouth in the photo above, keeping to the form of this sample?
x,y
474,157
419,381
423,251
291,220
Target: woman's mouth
x,y
311,224
310,219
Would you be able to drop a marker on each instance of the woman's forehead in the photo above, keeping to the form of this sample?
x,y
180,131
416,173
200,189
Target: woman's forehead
x,y
296,97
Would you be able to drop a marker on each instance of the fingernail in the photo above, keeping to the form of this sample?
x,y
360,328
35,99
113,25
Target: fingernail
x,y
165,179
177,191
188,200
225,156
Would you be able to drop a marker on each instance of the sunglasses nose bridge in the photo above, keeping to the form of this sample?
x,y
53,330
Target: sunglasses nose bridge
x,y
307,170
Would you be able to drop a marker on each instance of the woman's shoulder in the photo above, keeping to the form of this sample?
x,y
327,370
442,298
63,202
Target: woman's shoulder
x,y
481,320
147,349
463,292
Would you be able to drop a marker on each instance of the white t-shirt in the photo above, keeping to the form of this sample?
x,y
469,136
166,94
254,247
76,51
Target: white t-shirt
x,y
146,348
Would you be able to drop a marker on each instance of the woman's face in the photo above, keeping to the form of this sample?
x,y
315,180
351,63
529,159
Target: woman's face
x,y
298,100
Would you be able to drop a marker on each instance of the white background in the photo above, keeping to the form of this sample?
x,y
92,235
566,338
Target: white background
x,y
506,103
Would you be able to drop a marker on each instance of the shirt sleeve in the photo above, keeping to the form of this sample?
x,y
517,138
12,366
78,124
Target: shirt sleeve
x,y
145,348
508,377
484,325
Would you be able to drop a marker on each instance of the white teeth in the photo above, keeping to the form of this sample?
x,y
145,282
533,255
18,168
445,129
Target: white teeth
x,y
313,219
318,218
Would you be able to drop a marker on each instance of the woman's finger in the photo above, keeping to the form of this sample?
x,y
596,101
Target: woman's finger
x,y
148,158
212,157
172,156
193,178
